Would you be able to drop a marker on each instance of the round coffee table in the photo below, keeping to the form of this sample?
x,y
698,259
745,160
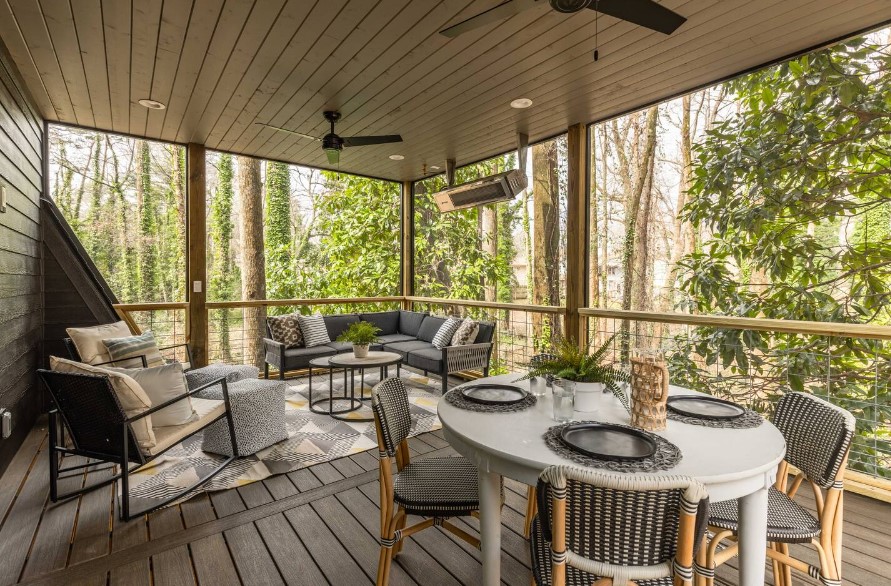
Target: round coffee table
x,y
349,364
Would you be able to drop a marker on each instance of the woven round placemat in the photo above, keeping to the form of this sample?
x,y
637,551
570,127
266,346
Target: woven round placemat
x,y
456,399
667,454
748,420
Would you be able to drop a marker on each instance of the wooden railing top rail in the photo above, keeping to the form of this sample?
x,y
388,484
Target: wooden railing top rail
x,y
152,306
842,330
488,304
288,302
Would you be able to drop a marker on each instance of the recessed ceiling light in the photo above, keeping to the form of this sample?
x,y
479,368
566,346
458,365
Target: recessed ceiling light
x,y
435,167
152,104
521,103
396,157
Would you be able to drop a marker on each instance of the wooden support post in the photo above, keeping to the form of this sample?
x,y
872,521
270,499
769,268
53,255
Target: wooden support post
x,y
577,233
408,242
197,261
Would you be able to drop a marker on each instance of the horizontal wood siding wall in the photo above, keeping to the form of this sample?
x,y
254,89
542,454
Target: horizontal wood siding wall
x,y
21,282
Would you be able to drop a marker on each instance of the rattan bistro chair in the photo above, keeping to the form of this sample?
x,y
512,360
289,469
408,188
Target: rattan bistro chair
x,y
436,488
98,429
818,438
613,529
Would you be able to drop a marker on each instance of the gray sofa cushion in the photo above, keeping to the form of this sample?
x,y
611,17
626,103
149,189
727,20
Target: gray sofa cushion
x,y
405,347
487,331
429,359
299,357
429,327
336,324
410,322
341,346
393,338
387,321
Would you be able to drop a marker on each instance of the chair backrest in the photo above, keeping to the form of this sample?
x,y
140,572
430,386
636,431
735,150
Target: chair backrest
x,y
389,402
72,350
818,435
92,414
620,526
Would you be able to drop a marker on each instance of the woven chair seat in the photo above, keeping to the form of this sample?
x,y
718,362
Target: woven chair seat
x,y
438,487
541,565
787,521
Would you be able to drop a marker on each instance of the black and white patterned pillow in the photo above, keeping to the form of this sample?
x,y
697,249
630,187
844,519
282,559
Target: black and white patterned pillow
x,y
444,336
314,331
285,329
466,332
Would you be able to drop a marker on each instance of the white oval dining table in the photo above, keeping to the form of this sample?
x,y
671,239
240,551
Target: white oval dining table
x,y
731,463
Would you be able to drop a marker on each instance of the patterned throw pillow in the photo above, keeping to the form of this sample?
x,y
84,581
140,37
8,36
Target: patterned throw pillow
x,y
466,332
286,330
133,347
444,336
314,331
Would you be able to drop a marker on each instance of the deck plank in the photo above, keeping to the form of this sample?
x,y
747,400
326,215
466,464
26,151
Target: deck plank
x,y
292,559
210,555
174,566
251,556
326,550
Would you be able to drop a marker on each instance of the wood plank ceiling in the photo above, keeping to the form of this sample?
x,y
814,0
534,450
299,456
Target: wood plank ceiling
x,y
221,65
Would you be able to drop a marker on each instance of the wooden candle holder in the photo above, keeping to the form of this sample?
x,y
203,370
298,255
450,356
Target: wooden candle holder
x,y
649,392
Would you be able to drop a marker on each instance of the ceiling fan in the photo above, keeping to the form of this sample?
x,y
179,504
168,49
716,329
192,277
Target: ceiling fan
x,y
332,143
646,13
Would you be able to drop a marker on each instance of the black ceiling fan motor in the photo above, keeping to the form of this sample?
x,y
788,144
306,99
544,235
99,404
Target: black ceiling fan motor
x,y
570,6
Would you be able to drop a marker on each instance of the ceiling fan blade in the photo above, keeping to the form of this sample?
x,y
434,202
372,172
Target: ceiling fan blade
x,y
352,141
500,12
294,132
646,13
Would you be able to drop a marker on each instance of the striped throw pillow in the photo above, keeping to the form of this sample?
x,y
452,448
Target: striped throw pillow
x,y
313,329
132,347
444,336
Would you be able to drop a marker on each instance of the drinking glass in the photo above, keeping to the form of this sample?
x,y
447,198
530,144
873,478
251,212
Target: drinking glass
x,y
538,386
564,400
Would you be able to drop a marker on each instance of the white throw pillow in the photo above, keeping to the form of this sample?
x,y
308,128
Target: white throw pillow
x,y
133,399
314,331
466,332
88,341
161,384
444,336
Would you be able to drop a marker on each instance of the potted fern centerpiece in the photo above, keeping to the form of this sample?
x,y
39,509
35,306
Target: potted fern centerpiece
x,y
361,334
573,367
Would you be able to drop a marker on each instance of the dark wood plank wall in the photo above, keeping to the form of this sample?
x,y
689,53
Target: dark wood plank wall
x,y
21,282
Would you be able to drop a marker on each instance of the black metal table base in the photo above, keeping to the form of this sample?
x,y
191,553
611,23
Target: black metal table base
x,y
355,402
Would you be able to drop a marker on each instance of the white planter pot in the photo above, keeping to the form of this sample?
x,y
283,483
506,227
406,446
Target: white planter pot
x,y
588,396
360,350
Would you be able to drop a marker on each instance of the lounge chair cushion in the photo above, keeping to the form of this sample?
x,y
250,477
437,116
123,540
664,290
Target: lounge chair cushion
x,y
133,347
133,399
429,327
161,384
387,321
426,359
207,410
410,322
88,341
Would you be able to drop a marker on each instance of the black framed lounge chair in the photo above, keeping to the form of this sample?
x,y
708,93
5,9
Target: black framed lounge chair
x,y
88,409
75,355
595,527
818,439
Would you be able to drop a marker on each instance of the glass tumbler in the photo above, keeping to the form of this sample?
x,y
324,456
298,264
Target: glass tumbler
x,y
538,386
564,400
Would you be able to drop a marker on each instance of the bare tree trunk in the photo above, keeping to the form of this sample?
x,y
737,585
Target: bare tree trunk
x,y
489,237
594,233
546,239
253,258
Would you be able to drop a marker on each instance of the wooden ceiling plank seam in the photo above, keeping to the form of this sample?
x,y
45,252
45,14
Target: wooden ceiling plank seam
x,y
32,30
87,18
447,59
176,19
253,35
230,26
116,21
26,124
145,25
286,24
15,44
394,39
59,23
360,41
323,44
561,104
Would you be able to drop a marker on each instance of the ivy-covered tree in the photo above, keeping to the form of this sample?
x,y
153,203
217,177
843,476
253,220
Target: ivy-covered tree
x,y
279,239
224,278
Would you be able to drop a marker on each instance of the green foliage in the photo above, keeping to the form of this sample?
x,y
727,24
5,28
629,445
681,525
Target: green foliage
x,y
360,333
575,363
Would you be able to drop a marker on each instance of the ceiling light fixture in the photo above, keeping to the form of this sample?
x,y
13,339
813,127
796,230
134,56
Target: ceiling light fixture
x,y
521,103
396,157
435,167
152,104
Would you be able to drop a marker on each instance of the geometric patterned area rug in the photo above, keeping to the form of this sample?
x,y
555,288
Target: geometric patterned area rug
x,y
312,438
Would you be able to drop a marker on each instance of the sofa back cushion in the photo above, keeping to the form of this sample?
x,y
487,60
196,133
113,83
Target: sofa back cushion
x,y
486,333
410,322
337,324
387,321
429,327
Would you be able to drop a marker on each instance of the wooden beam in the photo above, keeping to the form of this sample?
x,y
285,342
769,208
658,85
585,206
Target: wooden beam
x,y
197,262
577,232
408,242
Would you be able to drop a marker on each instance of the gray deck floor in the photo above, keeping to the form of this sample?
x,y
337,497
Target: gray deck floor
x,y
314,526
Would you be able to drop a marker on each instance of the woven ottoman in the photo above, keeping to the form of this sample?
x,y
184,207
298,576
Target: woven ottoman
x,y
258,414
232,372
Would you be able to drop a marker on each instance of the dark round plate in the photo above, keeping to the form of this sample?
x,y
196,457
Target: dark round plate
x,y
493,394
605,441
705,407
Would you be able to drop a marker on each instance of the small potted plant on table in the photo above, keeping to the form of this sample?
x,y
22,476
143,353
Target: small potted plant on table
x,y
361,334
573,367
